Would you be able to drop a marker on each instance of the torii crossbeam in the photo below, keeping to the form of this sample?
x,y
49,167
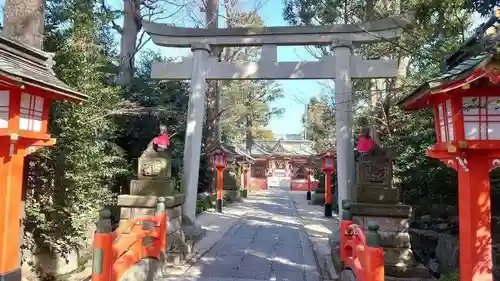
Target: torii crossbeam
x,y
342,66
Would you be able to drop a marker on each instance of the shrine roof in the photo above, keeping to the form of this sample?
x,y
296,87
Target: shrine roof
x,y
238,152
27,65
462,65
285,148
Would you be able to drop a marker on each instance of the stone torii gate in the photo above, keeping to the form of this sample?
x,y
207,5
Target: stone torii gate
x,y
342,66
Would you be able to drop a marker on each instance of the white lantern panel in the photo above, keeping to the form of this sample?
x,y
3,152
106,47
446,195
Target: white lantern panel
x,y
328,162
493,106
4,109
494,130
475,131
441,115
31,113
470,105
471,130
451,135
443,133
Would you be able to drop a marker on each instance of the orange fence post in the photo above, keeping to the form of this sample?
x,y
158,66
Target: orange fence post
x,y
344,225
102,262
373,254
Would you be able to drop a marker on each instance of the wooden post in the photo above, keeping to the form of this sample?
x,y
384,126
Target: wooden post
x,y
161,211
344,224
102,262
245,182
308,196
474,210
328,194
11,178
373,254
220,178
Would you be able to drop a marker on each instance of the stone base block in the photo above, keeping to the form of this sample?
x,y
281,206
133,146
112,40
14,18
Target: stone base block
x,y
146,270
232,195
318,198
175,240
150,187
402,271
193,231
381,210
399,256
149,201
386,224
377,194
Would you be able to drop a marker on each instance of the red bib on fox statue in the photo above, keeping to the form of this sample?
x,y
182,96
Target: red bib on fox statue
x,y
365,142
162,141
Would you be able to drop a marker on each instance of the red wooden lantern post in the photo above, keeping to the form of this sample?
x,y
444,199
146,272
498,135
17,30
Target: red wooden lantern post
x,y
219,161
25,98
246,168
308,175
466,107
328,167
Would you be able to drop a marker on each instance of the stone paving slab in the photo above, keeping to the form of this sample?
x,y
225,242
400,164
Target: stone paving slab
x,y
259,239
318,228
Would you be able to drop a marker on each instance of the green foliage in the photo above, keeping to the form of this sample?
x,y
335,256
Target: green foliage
x,y
152,103
203,205
452,276
320,123
67,184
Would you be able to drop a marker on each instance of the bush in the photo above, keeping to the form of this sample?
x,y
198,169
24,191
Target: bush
x,y
202,206
452,276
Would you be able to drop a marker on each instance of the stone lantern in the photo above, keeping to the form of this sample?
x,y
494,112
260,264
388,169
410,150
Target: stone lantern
x,y
28,87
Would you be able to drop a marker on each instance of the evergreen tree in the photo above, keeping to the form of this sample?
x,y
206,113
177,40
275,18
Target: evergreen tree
x,y
68,183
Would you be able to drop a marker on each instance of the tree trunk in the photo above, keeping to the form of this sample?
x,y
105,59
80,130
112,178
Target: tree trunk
x,y
213,96
23,21
248,134
132,25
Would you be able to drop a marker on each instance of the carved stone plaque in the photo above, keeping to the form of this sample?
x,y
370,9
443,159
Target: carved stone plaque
x,y
374,180
374,171
153,168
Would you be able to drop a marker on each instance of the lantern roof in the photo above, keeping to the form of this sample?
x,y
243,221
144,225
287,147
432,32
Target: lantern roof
x,y
466,65
331,152
23,64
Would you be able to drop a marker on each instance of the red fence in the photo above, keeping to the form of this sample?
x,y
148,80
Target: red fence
x,y
361,253
301,185
117,251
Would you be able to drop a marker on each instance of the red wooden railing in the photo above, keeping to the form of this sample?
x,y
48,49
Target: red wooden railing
x,y
117,251
361,252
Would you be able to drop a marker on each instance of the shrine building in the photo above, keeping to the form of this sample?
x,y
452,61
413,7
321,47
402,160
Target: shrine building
x,y
280,162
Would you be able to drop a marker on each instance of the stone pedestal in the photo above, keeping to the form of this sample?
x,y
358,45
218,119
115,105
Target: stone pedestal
x,y
154,180
318,196
393,221
230,186
378,201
